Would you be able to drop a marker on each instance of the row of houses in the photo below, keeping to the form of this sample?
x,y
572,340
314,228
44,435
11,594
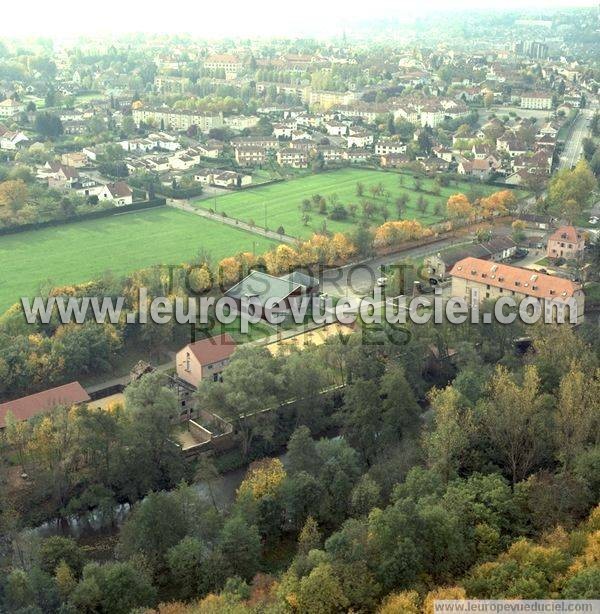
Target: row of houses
x,y
63,177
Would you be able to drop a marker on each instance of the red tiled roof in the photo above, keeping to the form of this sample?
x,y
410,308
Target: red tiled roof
x,y
514,278
566,233
119,189
42,402
213,349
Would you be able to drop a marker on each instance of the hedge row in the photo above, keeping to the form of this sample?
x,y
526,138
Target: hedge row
x,y
92,215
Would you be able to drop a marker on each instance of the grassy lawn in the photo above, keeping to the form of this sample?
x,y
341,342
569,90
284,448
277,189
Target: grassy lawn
x,y
77,252
279,204
255,331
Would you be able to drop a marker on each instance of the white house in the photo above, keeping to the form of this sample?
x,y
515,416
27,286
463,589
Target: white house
x,y
334,128
118,193
11,140
9,108
359,139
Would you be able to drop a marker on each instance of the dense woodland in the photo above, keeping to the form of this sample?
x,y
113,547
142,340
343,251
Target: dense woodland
x,y
470,477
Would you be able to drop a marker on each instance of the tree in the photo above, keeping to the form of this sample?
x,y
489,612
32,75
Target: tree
x,y
525,568
301,452
115,587
362,417
577,412
365,496
263,478
304,381
321,592
48,125
185,561
65,580
447,441
153,460
406,602
518,230
459,207
513,419
18,592
498,203
57,549
589,148
13,195
310,536
569,190
240,543
155,524
452,592
250,369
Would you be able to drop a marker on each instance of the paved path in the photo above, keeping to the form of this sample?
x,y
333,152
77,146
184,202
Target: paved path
x,y
573,142
184,205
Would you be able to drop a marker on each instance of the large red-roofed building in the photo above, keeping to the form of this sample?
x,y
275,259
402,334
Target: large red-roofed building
x,y
43,402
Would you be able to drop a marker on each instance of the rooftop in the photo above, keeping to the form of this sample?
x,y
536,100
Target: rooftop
x,y
42,402
514,278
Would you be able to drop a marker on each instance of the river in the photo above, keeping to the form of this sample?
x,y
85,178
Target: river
x,y
97,523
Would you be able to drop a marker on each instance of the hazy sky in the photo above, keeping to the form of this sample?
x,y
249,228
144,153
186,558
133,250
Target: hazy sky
x,y
234,17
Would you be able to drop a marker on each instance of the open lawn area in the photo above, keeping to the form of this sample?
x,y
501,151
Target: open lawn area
x,y
81,251
279,204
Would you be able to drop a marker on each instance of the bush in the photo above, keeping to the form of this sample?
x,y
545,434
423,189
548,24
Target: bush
x,y
339,213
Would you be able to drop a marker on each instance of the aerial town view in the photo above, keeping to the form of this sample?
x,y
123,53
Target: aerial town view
x,y
300,308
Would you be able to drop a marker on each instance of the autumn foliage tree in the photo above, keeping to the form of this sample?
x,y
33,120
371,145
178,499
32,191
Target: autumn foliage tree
x,y
395,232
13,194
498,203
459,207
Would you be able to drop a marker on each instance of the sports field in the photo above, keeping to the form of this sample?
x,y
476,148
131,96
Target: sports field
x,y
81,251
280,204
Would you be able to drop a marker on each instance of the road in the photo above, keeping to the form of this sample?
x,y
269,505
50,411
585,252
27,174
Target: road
x,y
573,142
184,205
356,280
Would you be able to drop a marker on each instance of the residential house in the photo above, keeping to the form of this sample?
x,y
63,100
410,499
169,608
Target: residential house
x,y
204,360
265,142
295,158
10,140
119,193
482,169
59,176
210,149
357,156
566,242
230,179
329,153
394,160
359,138
76,159
9,108
250,156
284,130
334,128
389,145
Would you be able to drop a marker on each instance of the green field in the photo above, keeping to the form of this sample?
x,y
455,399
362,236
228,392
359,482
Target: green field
x,y
78,252
279,204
